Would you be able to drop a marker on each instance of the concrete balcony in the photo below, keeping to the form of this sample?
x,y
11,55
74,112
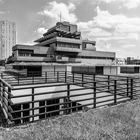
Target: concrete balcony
x,y
32,59
62,39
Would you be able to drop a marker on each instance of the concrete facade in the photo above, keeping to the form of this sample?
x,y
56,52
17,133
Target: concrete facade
x,y
61,44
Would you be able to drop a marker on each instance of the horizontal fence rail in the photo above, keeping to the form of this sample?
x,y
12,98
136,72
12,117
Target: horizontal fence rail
x,y
29,98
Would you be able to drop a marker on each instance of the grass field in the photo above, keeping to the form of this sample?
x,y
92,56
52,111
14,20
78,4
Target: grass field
x,y
121,122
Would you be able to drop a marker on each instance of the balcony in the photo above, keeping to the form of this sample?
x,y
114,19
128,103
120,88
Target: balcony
x,y
32,59
62,39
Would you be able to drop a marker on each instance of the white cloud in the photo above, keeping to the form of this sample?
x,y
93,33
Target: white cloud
x,y
1,12
126,3
1,1
112,32
41,30
126,46
53,10
28,43
106,24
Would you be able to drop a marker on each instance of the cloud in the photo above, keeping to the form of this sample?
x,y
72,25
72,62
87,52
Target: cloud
x,y
53,10
1,1
112,32
2,12
41,30
125,3
109,25
27,43
126,46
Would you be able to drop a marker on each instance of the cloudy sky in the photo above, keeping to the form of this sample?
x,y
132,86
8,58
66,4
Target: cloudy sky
x,y
114,24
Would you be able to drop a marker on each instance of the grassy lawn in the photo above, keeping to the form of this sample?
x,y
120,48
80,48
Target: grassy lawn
x,y
121,122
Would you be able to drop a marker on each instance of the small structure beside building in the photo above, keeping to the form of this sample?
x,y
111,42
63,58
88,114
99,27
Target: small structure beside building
x,y
132,61
107,70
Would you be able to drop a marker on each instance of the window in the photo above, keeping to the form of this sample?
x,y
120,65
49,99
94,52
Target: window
x,y
25,52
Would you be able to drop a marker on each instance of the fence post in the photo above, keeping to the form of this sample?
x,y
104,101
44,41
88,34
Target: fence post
x,y
127,84
73,76
57,76
131,96
33,103
2,95
108,83
115,88
9,105
18,78
65,76
82,79
68,98
94,92
32,78
94,78
1,75
2,92
45,77
0,89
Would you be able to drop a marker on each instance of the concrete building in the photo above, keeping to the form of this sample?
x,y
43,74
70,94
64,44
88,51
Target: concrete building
x,y
61,44
7,38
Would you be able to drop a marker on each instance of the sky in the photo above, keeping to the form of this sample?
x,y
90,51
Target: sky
x,y
113,24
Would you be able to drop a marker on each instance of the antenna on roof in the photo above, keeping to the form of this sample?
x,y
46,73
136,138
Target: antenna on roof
x,y
97,6
60,16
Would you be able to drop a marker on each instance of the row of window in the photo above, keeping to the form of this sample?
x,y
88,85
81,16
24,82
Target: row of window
x,y
95,57
29,53
129,70
66,45
24,54
52,56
